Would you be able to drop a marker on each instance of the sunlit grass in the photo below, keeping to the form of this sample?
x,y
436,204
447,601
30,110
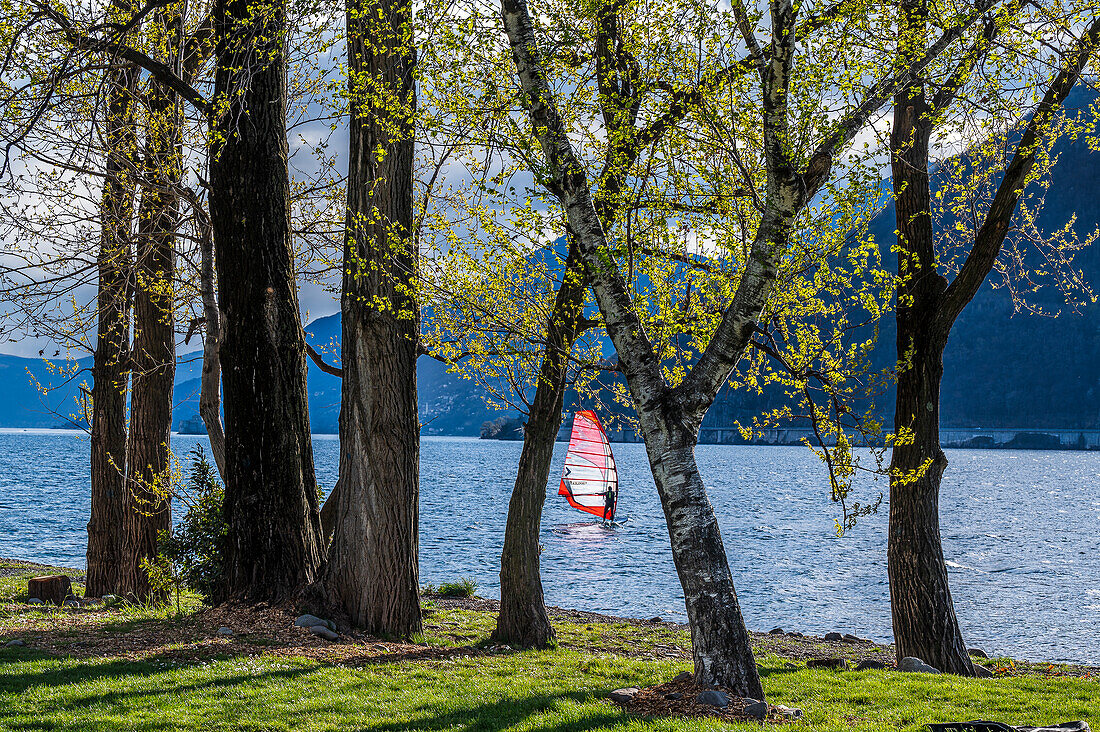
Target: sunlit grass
x,y
478,686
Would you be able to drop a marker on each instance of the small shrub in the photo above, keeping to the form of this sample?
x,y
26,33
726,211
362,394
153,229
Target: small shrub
x,y
197,545
462,588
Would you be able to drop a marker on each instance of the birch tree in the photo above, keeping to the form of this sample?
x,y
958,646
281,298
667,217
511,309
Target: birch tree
x,y
669,414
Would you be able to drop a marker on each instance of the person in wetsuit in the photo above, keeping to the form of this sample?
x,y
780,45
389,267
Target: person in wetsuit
x,y
609,501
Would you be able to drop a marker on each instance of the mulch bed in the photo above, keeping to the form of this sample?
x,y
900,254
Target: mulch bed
x,y
677,698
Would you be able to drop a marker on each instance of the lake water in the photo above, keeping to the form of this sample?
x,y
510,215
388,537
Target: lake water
x,y
1021,534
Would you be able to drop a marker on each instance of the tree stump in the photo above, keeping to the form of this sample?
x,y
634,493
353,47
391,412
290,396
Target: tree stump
x,y
52,588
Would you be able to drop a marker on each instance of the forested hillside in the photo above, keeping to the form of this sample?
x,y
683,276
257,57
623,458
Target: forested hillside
x,y
1002,368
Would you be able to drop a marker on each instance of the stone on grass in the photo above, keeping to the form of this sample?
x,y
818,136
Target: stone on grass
x,y
71,602
982,672
35,601
849,638
912,664
834,636
225,631
755,708
714,698
656,619
308,621
684,676
788,712
870,664
624,696
111,600
838,664
775,631
978,652
17,643
323,631
795,634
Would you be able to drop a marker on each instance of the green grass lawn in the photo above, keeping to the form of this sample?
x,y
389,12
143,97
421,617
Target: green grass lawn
x,y
471,686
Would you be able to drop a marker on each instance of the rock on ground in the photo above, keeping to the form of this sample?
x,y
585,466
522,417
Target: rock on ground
x,y
755,708
913,664
714,698
17,643
323,631
624,696
225,631
834,636
870,664
788,712
308,621
977,652
834,663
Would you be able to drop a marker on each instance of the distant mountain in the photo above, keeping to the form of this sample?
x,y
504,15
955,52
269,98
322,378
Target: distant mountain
x,y
1007,369
1001,369
447,403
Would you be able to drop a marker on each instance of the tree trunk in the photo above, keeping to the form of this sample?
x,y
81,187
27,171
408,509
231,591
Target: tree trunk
x,y
920,600
523,620
210,395
721,648
153,356
270,489
372,573
109,364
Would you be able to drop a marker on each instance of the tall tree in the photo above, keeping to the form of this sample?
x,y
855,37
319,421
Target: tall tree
x,y
153,354
669,415
372,570
271,505
110,369
928,304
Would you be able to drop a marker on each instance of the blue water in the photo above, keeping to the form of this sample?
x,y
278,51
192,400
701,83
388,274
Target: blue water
x,y
1021,534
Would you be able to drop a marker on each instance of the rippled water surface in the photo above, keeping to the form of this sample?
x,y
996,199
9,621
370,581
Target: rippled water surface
x,y
1021,534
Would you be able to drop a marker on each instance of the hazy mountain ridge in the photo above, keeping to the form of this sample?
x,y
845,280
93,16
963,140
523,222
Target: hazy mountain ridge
x,y
1001,368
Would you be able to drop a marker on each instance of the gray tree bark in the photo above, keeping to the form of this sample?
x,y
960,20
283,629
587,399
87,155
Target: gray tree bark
x,y
153,355
110,363
372,573
274,544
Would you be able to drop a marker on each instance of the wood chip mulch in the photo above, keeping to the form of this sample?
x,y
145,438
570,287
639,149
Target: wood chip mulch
x,y
677,698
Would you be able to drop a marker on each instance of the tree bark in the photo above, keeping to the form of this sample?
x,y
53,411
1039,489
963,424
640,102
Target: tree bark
x,y
923,614
523,620
720,643
210,383
153,355
372,573
270,489
109,363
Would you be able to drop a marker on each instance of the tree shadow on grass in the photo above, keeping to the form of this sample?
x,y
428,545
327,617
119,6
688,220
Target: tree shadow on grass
x,y
317,702
16,679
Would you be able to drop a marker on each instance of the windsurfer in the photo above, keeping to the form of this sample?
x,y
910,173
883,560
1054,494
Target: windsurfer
x,y
609,500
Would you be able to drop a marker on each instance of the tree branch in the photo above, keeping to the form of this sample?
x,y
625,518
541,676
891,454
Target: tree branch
x,y
991,235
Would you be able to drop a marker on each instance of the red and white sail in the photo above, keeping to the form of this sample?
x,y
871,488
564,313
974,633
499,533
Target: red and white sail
x,y
589,480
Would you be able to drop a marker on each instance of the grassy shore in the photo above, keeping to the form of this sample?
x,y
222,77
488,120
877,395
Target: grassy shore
x,y
136,668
